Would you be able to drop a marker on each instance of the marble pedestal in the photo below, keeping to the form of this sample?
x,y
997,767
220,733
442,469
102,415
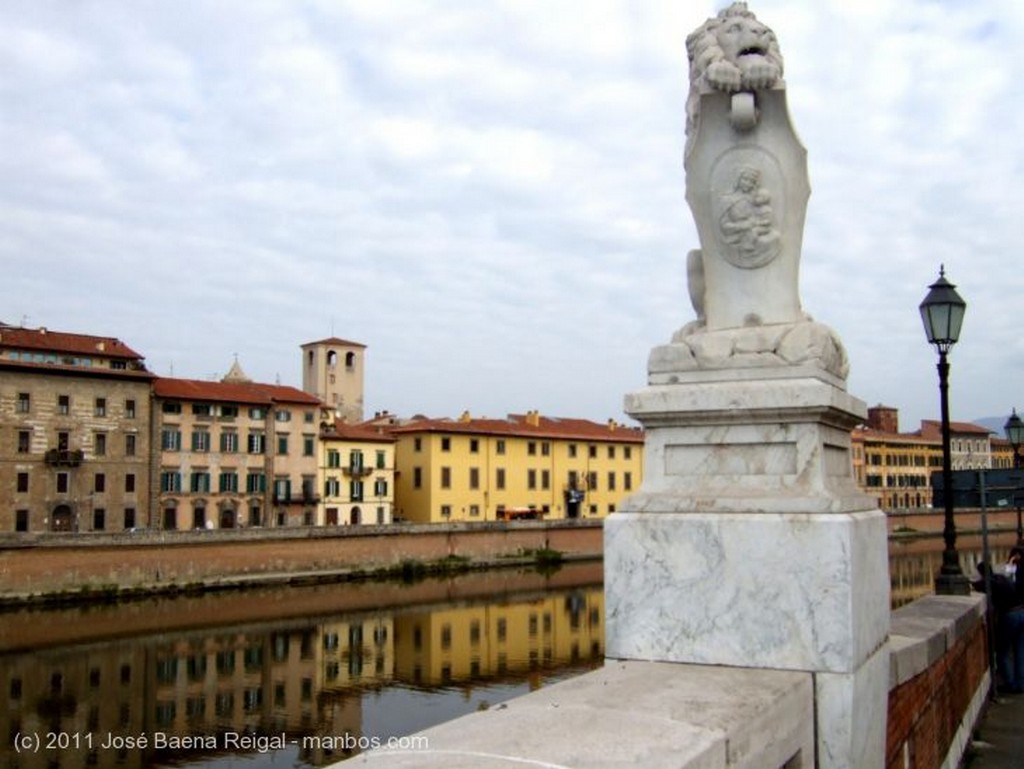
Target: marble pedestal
x,y
749,545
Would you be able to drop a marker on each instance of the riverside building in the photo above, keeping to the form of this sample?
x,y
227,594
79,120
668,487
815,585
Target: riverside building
x,y
235,453
74,432
524,466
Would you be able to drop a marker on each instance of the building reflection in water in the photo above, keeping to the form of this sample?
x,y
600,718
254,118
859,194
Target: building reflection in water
x,y
306,680
345,676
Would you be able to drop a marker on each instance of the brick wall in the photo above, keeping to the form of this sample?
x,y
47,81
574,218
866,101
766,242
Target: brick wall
x,y
46,564
938,677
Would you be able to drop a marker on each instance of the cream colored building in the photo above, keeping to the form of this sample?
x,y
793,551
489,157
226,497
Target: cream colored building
x,y
357,474
74,437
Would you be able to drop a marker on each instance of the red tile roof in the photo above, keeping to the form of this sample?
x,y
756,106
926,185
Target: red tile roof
x,y
519,425
44,340
932,427
252,393
364,431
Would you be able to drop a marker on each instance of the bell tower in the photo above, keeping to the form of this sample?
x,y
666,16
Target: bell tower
x,y
332,370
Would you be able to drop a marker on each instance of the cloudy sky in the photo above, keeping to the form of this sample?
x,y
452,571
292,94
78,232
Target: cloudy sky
x,y
489,195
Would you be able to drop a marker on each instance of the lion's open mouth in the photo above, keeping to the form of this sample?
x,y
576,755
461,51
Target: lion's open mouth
x,y
753,51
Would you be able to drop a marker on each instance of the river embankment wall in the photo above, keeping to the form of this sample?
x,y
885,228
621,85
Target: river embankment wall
x,y
51,566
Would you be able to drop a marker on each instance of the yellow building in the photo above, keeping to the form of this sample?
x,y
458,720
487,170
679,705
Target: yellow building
x,y
525,466
235,453
74,432
357,474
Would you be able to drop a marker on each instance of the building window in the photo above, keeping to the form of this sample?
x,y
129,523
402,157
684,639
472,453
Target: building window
x,y
499,446
446,477
200,440
228,442
545,449
417,444
255,483
592,481
283,415
355,461
129,409
356,491
572,450
171,407
256,443
531,449
100,444
611,452
22,483
229,412
170,440
170,481
611,481
627,452
200,482
24,441
499,478
129,483
446,444
333,458
474,511
417,477
100,409
474,445
307,445
199,522
627,481
381,460
202,409
228,482
446,511
380,488
99,519
129,518
63,404
474,477
282,444
531,479
332,487
129,445
257,413
63,482
545,479
21,520
23,404
100,483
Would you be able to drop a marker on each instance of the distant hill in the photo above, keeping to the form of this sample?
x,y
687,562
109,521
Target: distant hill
x,y
995,424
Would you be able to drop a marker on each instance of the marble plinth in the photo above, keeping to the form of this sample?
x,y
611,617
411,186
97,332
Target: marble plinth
x,y
790,591
851,714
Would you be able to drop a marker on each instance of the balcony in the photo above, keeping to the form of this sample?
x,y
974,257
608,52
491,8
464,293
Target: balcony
x,y
357,472
64,457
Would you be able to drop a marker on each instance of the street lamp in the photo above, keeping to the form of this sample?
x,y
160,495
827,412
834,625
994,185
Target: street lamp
x,y
942,313
1014,429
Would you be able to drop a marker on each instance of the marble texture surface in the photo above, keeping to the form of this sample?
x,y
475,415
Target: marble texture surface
x,y
767,590
630,714
851,733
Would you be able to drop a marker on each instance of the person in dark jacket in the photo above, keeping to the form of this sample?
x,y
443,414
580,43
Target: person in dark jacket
x,y
1008,613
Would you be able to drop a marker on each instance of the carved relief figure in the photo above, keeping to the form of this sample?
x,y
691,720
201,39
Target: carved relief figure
x,y
747,223
731,52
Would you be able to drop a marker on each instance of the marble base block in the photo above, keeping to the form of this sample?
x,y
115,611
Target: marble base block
x,y
851,714
796,591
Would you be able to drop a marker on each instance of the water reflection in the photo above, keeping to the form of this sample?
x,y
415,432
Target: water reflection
x,y
301,692
302,677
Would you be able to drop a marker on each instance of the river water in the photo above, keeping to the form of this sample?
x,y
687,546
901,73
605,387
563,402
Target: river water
x,y
305,676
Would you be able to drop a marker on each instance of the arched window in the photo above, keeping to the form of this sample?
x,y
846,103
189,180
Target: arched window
x,y
350,360
332,359
310,356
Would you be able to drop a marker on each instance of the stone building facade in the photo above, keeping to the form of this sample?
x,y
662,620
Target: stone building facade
x,y
74,432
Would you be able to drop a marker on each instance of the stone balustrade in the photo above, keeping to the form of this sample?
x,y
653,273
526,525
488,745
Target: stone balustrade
x,y
659,714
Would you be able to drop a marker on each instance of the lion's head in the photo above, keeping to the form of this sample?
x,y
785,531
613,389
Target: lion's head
x,y
731,52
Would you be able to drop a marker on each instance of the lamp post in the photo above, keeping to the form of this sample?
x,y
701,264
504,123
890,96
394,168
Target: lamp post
x,y
942,313
1014,429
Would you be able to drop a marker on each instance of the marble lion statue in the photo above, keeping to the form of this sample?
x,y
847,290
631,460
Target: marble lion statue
x,y
731,52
